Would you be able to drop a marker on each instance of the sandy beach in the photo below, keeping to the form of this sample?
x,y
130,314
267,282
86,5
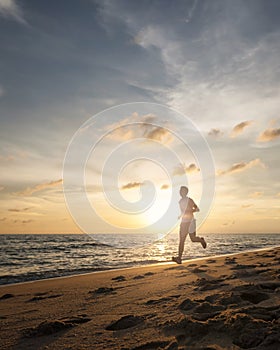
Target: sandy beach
x,y
228,302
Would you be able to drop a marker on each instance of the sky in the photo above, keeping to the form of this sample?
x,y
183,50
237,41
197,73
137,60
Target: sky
x,y
214,62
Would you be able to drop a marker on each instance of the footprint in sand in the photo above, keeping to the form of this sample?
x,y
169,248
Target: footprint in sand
x,y
162,300
229,261
201,310
269,286
7,296
240,325
261,271
149,274
192,265
243,267
39,294
251,294
102,290
211,261
225,299
119,279
138,277
157,345
38,297
51,327
204,284
198,270
206,310
125,322
188,305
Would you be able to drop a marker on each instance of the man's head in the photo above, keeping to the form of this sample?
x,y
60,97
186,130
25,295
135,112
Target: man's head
x,y
184,191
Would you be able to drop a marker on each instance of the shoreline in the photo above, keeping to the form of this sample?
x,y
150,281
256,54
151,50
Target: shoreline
x,y
222,302
138,266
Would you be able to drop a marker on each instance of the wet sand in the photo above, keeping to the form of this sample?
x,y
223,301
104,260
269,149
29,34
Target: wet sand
x,y
229,302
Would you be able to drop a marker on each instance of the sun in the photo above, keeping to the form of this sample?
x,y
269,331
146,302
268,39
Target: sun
x,y
163,212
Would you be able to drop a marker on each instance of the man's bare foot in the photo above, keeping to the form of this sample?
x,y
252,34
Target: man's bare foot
x,y
177,259
203,243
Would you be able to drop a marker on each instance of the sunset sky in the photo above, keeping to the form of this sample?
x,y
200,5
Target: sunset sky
x,y
216,62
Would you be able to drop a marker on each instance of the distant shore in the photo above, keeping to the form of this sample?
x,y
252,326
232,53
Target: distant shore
x,y
221,302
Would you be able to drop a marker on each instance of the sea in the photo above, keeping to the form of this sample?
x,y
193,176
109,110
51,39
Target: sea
x,y
30,257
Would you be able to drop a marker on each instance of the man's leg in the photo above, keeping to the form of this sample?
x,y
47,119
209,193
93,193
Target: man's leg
x,y
201,240
182,245
184,228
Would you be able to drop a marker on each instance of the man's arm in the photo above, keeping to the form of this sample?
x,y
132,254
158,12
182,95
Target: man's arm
x,y
195,208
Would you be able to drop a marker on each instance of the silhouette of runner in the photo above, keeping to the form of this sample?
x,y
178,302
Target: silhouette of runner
x,y
188,223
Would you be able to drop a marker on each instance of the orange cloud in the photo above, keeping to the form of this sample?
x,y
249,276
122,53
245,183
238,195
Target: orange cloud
x,y
22,221
7,158
239,128
242,166
182,169
246,206
26,221
136,126
40,187
164,187
19,210
131,185
228,223
155,134
131,127
1,188
256,194
158,134
123,133
269,135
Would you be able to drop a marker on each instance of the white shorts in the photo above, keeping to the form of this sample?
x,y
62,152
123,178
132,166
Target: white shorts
x,y
192,227
189,225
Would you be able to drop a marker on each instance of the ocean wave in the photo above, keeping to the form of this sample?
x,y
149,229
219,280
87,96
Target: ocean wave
x,y
34,257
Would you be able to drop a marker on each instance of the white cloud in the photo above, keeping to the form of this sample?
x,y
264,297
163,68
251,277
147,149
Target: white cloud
x,y
216,73
214,92
170,50
216,70
191,11
10,9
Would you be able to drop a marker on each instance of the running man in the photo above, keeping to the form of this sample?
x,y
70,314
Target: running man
x,y
188,223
